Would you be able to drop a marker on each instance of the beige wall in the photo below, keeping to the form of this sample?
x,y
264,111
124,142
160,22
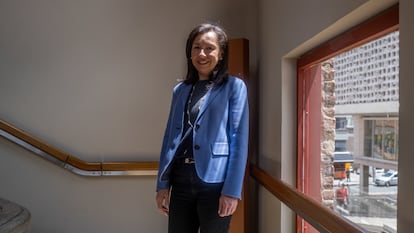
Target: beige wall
x,y
94,78
99,70
406,158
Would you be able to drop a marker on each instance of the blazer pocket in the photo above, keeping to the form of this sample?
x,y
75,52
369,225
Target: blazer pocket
x,y
220,149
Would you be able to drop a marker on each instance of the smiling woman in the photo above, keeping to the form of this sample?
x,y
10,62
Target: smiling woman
x,y
204,152
209,45
205,54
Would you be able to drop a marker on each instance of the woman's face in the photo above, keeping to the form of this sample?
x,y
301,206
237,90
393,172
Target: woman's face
x,y
205,54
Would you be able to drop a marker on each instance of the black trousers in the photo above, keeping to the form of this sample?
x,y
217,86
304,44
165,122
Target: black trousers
x,y
194,203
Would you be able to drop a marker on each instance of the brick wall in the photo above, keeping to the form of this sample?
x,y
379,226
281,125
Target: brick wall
x,y
328,133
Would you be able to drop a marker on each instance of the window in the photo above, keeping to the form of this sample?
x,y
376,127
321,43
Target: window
x,y
357,81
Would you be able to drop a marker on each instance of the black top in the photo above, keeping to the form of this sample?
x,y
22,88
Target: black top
x,y
194,103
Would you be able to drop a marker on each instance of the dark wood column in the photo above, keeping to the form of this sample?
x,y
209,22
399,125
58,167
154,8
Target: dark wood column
x,y
239,66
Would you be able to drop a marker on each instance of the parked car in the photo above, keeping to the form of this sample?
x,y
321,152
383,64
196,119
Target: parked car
x,y
387,179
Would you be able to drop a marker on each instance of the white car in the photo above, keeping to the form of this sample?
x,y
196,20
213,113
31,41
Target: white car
x,y
387,179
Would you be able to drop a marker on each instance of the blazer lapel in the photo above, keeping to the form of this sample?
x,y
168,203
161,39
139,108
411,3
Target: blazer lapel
x,y
210,96
185,92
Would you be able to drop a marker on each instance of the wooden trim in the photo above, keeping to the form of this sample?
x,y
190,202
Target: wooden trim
x,y
377,26
85,166
239,58
74,161
128,166
319,216
238,65
22,135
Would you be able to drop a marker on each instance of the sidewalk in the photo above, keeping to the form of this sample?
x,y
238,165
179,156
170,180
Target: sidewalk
x,y
364,206
381,223
353,184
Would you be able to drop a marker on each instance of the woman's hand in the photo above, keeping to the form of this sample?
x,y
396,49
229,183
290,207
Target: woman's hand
x,y
163,200
227,205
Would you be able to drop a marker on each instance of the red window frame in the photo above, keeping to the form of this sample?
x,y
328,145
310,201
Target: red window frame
x,y
308,105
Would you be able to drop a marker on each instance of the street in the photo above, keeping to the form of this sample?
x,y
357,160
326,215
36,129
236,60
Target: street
x,y
375,208
373,189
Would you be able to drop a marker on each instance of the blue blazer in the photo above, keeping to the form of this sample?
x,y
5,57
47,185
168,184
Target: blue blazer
x,y
220,136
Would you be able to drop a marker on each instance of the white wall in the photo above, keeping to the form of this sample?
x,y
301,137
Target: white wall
x,y
94,78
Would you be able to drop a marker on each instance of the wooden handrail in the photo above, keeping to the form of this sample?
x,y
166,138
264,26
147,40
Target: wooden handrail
x,y
319,216
312,211
73,163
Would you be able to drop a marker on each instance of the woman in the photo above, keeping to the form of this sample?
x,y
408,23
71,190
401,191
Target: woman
x,y
204,150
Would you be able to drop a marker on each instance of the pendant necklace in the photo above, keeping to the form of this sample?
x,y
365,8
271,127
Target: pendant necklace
x,y
189,106
197,85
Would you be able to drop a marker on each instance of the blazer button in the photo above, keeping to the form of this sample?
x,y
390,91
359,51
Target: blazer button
x,y
197,147
197,126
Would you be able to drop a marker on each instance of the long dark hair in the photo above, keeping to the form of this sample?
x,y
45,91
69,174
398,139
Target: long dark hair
x,y
219,75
